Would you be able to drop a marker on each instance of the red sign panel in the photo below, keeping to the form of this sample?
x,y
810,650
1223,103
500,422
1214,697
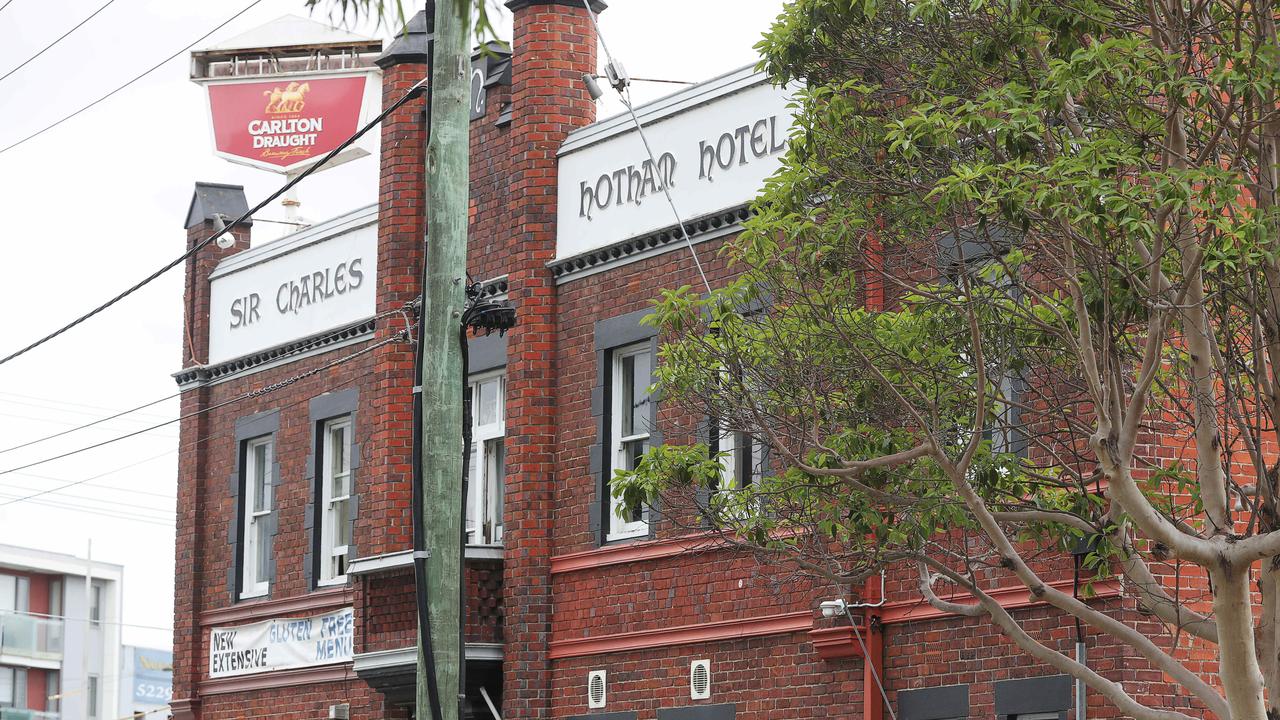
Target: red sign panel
x,y
285,123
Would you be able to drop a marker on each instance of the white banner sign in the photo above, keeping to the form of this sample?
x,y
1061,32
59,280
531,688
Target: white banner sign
x,y
323,285
713,150
282,644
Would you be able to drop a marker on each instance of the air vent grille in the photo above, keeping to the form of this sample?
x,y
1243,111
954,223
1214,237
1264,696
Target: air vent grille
x,y
595,689
700,679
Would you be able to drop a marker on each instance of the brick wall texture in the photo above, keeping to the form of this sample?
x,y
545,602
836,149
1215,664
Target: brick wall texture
x,y
652,609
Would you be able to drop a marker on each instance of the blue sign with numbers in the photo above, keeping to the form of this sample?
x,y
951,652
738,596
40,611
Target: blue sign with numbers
x,y
152,676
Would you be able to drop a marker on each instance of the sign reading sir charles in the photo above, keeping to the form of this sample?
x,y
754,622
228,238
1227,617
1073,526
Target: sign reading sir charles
x,y
287,122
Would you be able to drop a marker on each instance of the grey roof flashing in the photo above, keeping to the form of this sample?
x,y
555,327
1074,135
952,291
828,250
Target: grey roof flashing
x,y
410,44
212,199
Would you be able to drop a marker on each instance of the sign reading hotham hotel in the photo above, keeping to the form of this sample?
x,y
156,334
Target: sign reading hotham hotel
x,y
322,278
282,644
714,146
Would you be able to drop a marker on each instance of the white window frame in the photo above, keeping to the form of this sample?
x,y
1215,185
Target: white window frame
x,y
735,455
256,515
618,528
335,509
486,484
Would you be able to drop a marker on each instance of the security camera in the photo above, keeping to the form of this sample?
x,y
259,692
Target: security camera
x,y
832,608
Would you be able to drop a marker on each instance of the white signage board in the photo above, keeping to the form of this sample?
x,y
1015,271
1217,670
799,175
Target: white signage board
x,y
715,145
281,644
310,287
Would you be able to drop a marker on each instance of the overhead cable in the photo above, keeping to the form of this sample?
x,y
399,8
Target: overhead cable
x,y
63,505
78,428
135,78
72,483
259,392
293,180
62,37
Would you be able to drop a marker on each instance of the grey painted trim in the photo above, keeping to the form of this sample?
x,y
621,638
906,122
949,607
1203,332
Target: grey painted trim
x,y
257,425
321,409
388,562
1051,693
726,711
487,352
408,656
610,335
623,330
605,716
597,6
334,404
250,427
274,357
939,703
624,252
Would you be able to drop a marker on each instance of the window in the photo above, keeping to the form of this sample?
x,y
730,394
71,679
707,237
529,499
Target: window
x,y
97,598
630,430
488,460
91,696
975,251
55,597
335,500
52,691
259,457
15,593
743,458
13,687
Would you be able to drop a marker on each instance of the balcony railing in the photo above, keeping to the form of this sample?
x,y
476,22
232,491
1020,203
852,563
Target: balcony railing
x,y
30,636
16,714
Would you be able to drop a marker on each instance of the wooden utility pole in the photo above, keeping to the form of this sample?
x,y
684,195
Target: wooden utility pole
x,y
444,275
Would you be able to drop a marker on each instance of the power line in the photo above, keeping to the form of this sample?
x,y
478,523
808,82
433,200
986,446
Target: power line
x,y
135,79
55,42
294,180
78,428
65,407
113,488
246,396
100,512
104,474
68,618
99,503
5,5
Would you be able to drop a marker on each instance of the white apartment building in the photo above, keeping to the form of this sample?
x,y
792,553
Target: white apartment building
x,y
60,648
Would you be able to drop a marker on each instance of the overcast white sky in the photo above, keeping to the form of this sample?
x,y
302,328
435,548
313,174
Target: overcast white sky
x,y
97,203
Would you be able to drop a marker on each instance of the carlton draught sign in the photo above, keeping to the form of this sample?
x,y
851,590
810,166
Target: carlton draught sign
x,y
288,122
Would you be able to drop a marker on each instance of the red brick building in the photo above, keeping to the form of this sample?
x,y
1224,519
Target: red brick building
x,y
295,504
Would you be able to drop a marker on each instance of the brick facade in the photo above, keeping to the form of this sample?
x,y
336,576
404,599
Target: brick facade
x,y
557,601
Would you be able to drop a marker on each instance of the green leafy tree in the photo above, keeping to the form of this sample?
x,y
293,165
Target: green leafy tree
x,y
1019,250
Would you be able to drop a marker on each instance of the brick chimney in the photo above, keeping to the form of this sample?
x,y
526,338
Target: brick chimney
x,y
210,201
401,244
554,44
